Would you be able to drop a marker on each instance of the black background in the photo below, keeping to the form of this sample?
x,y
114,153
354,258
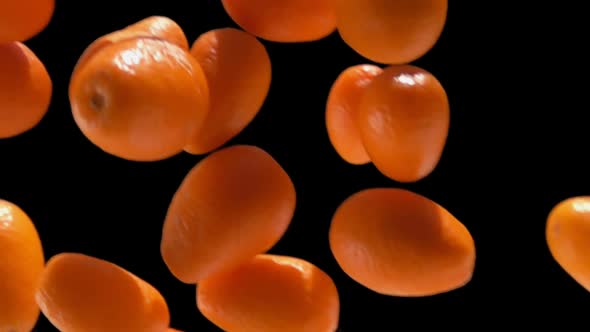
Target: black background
x,y
507,162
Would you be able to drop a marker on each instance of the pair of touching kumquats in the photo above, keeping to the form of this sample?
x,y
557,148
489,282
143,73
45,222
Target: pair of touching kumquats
x,y
143,94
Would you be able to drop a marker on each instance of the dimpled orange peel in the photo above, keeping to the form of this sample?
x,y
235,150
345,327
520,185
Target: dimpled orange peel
x,y
391,31
25,89
342,112
21,265
80,293
398,243
139,99
404,121
568,237
159,27
238,72
234,204
271,293
287,21
21,20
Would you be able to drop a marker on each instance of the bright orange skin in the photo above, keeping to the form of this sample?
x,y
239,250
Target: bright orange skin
x,y
391,31
342,112
568,237
271,293
238,72
234,204
21,265
404,122
25,89
398,243
79,293
21,20
139,99
159,27
287,21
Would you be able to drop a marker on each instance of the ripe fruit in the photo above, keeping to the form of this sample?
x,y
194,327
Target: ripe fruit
x,y
399,243
342,112
25,89
284,21
391,31
23,19
139,99
270,294
234,204
238,72
21,264
404,122
568,237
159,27
83,293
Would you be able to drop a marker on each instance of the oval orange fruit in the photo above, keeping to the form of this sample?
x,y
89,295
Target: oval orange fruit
x,y
271,293
25,89
404,122
285,21
238,71
391,31
21,265
399,243
23,19
234,204
568,237
139,99
342,110
82,293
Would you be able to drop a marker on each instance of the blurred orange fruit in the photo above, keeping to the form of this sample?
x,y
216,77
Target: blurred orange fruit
x,y
399,243
284,21
234,204
21,265
238,72
82,293
21,20
25,89
342,112
391,31
271,293
568,237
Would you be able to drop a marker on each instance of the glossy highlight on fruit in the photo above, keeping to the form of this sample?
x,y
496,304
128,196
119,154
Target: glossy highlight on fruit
x,y
158,27
398,243
568,237
391,31
139,99
21,265
234,204
271,293
342,111
21,20
82,293
25,89
238,72
404,122
287,21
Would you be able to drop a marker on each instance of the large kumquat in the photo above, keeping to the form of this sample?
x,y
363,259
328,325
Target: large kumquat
x,y
140,99
234,204
79,293
399,243
21,265
21,20
238,72
25,89
271,293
